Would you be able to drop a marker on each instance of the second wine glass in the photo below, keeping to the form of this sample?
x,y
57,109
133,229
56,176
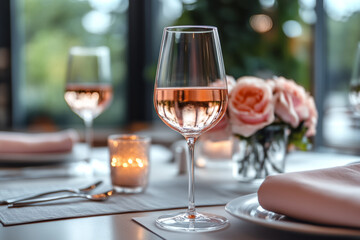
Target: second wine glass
x,y
190,96
88,90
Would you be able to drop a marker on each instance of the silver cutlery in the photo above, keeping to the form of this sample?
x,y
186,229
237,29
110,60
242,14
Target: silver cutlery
x,y
83,190
94,197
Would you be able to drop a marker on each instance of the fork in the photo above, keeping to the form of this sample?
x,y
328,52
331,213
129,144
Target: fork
x,y
68,190
95,197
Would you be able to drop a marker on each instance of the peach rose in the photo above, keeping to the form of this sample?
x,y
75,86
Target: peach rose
x,y
290,101
311,122
250,106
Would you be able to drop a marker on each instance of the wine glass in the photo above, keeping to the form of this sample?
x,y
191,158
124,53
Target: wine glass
x,y
190,96
88,90
354,94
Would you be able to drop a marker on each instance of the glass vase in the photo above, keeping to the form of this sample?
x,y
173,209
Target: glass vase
x,y
261,154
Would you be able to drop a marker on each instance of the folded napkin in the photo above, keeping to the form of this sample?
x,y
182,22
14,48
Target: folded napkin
x,y
325,196
54,142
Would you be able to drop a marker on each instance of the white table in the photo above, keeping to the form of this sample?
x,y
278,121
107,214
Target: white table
x,y
121,226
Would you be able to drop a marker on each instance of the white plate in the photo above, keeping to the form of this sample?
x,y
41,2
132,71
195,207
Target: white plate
x,y
248,208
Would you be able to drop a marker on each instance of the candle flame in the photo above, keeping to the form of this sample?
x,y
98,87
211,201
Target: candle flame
x,y
118,162
113,162
139,162
201,162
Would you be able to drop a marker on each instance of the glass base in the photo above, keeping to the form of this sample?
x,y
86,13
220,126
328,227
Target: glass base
x,y
202,222
121,189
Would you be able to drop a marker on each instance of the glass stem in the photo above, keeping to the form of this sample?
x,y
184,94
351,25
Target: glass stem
x,y
88,136
191,172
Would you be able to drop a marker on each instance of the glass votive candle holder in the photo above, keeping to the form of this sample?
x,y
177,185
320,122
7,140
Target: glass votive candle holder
x,y
129,162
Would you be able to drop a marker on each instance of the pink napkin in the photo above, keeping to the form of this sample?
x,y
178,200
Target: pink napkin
x,y
326,196
55,142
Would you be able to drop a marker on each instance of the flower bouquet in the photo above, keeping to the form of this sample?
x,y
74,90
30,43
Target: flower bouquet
x,y
266,118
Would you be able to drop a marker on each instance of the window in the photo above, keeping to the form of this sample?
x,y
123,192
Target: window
x,y
310,41
341,127
45,30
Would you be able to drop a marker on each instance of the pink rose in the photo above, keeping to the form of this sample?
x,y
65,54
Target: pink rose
x,y
230,82
311,122
221,131
290,101
250,106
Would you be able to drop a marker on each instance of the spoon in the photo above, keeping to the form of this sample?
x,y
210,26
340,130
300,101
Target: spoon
x,y
69,190
94,197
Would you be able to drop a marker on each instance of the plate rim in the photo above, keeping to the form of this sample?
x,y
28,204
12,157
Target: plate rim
x,y
299,227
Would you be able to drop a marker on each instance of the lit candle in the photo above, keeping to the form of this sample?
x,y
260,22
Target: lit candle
x,y
217,149
129,162
216,153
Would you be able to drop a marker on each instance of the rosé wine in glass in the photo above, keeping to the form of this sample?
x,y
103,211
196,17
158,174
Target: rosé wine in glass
x,y
190,96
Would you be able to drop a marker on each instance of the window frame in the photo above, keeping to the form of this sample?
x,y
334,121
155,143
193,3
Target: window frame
x,y
6,73
319,66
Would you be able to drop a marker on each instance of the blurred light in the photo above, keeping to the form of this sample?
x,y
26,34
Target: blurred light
x,y
105,6
200,162
292,28
341,10
172,9
307,11
307,3
267,3
261,23
96,22
308,15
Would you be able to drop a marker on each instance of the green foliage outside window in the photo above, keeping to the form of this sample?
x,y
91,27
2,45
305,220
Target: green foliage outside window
x,y
247,52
